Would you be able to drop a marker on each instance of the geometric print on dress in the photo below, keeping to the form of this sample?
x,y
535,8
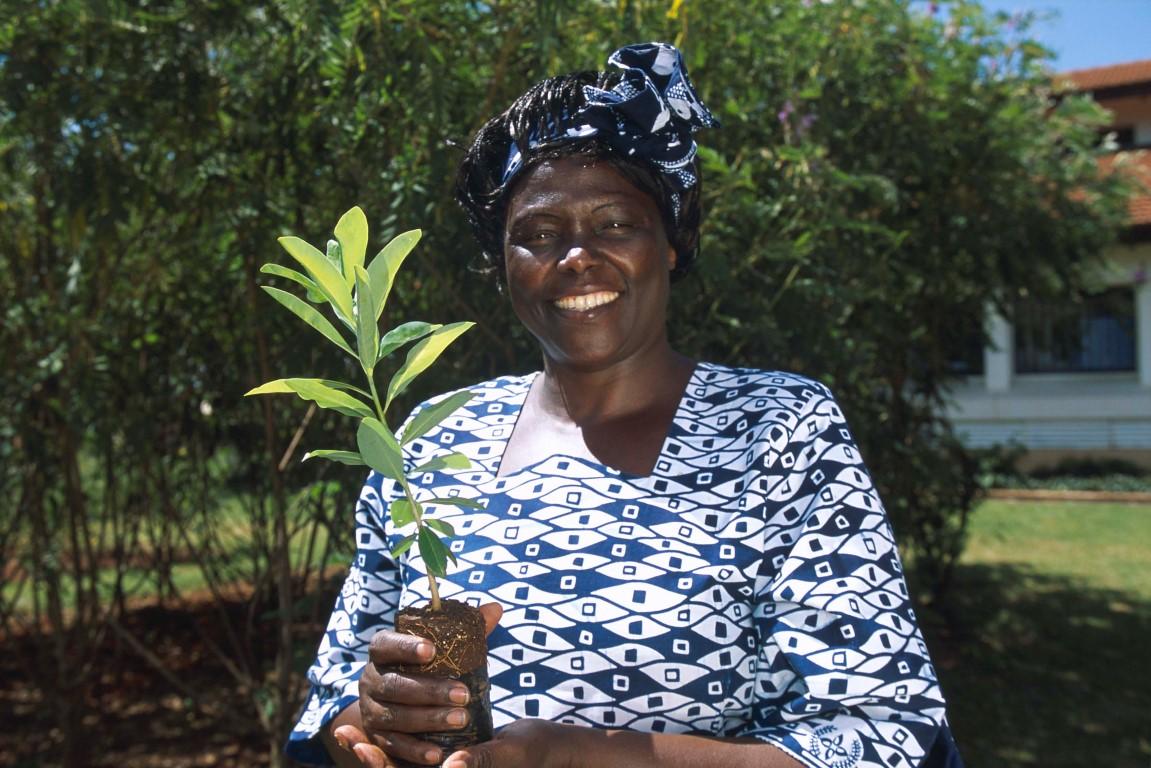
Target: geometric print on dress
x,y
748,587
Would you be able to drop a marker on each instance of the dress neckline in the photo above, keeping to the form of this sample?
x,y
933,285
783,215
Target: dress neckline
x,y
517,402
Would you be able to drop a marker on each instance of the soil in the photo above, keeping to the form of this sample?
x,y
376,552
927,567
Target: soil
x,y
457,630
131,716
460,638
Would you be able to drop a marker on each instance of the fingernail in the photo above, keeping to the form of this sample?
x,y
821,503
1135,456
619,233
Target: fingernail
x,y
342,742
459,695
457,717
433,756
456,763
425,650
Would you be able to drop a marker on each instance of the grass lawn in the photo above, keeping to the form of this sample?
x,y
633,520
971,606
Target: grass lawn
x,y
1044,652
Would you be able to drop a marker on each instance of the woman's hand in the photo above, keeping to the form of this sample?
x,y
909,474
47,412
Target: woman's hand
x,y
545,744
394,704
523,744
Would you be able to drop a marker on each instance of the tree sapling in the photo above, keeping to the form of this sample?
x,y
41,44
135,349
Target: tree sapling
x,y
356,293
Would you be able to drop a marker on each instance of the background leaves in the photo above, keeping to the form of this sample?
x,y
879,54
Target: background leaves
x,y
882,175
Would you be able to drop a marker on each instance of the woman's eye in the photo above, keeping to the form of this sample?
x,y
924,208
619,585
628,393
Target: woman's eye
x,y
532,237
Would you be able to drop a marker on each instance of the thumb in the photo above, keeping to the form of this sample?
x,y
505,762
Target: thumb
x,y
477,756
492,612
355,741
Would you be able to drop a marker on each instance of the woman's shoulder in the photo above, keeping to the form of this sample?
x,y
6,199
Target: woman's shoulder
x,y
729,381
492,398
513,386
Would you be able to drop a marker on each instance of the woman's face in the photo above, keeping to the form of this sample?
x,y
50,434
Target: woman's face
x,y
587,263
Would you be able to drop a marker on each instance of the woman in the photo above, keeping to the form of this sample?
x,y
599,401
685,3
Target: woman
x,y
681,563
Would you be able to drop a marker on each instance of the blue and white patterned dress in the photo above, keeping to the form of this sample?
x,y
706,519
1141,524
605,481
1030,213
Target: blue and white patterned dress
x,y
749,586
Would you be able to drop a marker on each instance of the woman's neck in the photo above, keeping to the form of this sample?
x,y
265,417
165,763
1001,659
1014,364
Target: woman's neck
x,y
652,382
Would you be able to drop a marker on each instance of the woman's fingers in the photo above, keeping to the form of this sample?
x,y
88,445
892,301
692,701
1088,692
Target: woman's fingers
x,y
391,718
351,738
406,689
393,648
404,746
371,756
395,704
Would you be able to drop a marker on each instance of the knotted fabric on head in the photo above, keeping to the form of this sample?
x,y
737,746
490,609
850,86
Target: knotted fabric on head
x,y
650,115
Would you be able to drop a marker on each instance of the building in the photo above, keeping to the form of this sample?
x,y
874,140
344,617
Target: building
x,y
1074,378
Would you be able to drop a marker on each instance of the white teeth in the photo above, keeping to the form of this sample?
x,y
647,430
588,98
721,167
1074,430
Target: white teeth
x,y
588,301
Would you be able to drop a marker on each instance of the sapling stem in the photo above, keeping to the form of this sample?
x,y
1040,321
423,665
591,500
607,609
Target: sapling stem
x,y
433,586
418,514
435,592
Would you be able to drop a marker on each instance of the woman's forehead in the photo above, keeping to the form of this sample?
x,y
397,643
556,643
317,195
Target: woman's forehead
x,y
572,178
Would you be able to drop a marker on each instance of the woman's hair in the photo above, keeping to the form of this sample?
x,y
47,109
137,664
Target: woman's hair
x,y
483,187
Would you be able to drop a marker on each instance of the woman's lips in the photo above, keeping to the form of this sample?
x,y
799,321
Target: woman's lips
x,y
586,301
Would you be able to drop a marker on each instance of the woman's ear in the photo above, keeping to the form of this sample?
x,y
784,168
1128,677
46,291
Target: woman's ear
x,y
671,258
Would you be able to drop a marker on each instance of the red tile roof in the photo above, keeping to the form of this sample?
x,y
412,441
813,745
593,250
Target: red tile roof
x,y
1139,164
1095,79
1115,75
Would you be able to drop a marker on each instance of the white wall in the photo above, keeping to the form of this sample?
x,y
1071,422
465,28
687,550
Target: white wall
x,y
1078,411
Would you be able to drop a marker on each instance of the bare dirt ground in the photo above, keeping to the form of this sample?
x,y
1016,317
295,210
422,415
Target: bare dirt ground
x,y
132,715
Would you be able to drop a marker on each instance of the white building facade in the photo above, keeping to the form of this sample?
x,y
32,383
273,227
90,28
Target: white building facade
x,y
1074,378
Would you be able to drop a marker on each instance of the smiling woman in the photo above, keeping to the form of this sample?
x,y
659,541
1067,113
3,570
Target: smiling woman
x,y
681,563
588,269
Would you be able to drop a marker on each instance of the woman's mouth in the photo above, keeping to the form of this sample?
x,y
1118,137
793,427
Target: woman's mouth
x,y
586,301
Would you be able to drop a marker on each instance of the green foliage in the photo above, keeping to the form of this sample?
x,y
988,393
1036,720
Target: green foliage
x,y
882,175
356,293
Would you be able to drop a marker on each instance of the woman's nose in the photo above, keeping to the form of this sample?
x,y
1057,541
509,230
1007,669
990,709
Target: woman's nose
x,y
577,258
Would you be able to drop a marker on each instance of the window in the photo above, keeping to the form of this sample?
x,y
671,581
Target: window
x,y
967,361
1093,334
1124,136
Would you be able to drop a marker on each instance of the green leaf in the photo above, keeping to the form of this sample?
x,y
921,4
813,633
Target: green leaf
x,y
434,552
404,545
423,355
346,387
433,415
352,232
335,255
443,527
317,390
326,382
309,315
315,295
455,502
387,263
328,278
351,458
379,448
402,513
367,331
402,334
451,461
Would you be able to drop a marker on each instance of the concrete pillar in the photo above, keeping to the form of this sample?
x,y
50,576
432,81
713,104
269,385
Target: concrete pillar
x,y
999,356
1143,331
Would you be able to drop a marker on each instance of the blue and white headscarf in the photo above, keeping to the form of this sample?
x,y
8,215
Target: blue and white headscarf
x,y
650,115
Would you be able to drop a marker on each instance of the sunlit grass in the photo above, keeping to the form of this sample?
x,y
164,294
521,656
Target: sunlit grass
x,y
1107,545
1043,658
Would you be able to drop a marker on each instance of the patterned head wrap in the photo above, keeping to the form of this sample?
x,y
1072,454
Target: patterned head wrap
x,y
640,120
649,115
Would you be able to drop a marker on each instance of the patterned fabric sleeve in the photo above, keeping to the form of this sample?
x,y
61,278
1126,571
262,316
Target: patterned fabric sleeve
x,y
843,677
366,604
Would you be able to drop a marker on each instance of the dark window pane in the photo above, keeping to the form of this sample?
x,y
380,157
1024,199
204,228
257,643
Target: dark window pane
x,y
968,361
1096,333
